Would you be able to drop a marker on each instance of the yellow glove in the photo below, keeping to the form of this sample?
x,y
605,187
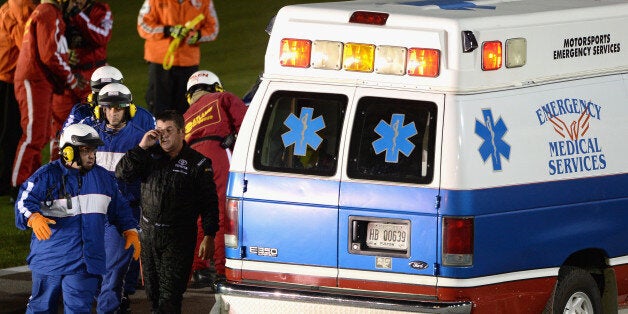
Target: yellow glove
x,y
73,58
40,227
193,37
132,238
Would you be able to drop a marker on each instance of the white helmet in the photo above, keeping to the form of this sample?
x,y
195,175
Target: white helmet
x,y
79,135
115,94
104,75
204,77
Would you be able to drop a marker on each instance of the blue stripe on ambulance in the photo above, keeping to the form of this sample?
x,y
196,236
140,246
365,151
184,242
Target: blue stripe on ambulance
x,y
546,222
313,230
301,223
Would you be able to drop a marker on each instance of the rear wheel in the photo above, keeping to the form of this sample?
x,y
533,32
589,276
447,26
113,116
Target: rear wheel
x,y
577,293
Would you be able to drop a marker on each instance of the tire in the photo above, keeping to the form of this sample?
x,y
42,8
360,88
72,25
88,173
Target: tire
x,y
577,293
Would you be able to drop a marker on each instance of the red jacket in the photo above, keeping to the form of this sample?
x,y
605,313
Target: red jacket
x,y
155,14
13,16
93,32
214,114
44,53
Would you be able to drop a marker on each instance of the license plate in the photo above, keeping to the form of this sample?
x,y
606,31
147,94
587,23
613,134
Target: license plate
x,y
388,236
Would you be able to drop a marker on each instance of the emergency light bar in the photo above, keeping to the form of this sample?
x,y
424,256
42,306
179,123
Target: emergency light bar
x,y
359,57
391,60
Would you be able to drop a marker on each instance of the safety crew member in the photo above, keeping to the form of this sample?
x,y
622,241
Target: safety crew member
x,y
83,112
42,67
67,203
88,31
13,16
211,125
161,21
115,108
177,187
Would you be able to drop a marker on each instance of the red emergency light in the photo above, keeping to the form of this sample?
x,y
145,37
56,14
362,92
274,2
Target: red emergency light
x,y
491,55
371,18
295,52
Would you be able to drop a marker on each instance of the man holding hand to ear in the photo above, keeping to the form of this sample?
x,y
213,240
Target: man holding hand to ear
x,y
67,203
177,186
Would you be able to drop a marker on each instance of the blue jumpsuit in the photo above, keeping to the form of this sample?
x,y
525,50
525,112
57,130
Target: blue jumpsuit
x,y
72,261
83,113
121,268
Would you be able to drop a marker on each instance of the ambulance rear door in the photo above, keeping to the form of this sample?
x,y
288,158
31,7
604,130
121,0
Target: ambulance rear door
x,y
388,195
290,206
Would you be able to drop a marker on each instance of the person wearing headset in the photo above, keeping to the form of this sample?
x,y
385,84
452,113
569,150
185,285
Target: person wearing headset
x,y
114,111
84,112
211,125
67,203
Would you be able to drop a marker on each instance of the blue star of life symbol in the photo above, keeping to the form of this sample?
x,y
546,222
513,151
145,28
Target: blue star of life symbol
x,y
394,138
451,4
492,133
303,131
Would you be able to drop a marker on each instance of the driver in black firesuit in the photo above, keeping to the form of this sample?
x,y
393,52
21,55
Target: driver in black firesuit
x,y
177,187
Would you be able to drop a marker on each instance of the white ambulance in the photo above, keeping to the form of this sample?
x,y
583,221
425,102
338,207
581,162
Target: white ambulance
x,y
434,156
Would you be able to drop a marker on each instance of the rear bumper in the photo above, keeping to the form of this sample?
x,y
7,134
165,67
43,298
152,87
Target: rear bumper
x,y
240,298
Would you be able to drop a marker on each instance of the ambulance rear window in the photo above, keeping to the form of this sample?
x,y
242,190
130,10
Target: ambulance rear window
x,y
300,133
393,140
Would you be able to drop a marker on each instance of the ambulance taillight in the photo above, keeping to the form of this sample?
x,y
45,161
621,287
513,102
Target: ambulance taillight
x,y
231,223
295,52
458,241
491,55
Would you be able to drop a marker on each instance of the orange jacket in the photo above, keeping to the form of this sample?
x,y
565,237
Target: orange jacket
x,y
13,16
155,14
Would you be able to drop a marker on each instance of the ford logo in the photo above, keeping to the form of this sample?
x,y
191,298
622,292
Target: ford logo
x,y
418,265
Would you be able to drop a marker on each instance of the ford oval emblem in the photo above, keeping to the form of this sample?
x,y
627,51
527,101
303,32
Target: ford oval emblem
x,y
418,265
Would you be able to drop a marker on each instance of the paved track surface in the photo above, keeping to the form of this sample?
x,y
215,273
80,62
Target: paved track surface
x,y
15,288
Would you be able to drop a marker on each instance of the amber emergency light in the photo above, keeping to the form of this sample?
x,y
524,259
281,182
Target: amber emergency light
x,y
358,57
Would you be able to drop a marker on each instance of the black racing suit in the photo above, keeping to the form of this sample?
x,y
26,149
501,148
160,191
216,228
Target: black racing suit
x,y
174,193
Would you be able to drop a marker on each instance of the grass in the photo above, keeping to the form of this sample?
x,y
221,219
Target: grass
x,y
236,56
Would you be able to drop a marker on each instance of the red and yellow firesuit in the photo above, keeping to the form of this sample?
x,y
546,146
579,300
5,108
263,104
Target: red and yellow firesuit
x,y
208,120
88,34
42,68
13,16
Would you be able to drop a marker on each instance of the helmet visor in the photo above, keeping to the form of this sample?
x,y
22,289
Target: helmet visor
x,y
87,140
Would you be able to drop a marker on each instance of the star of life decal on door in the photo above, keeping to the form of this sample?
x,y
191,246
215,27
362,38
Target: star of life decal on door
x,y
394,138
303,131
